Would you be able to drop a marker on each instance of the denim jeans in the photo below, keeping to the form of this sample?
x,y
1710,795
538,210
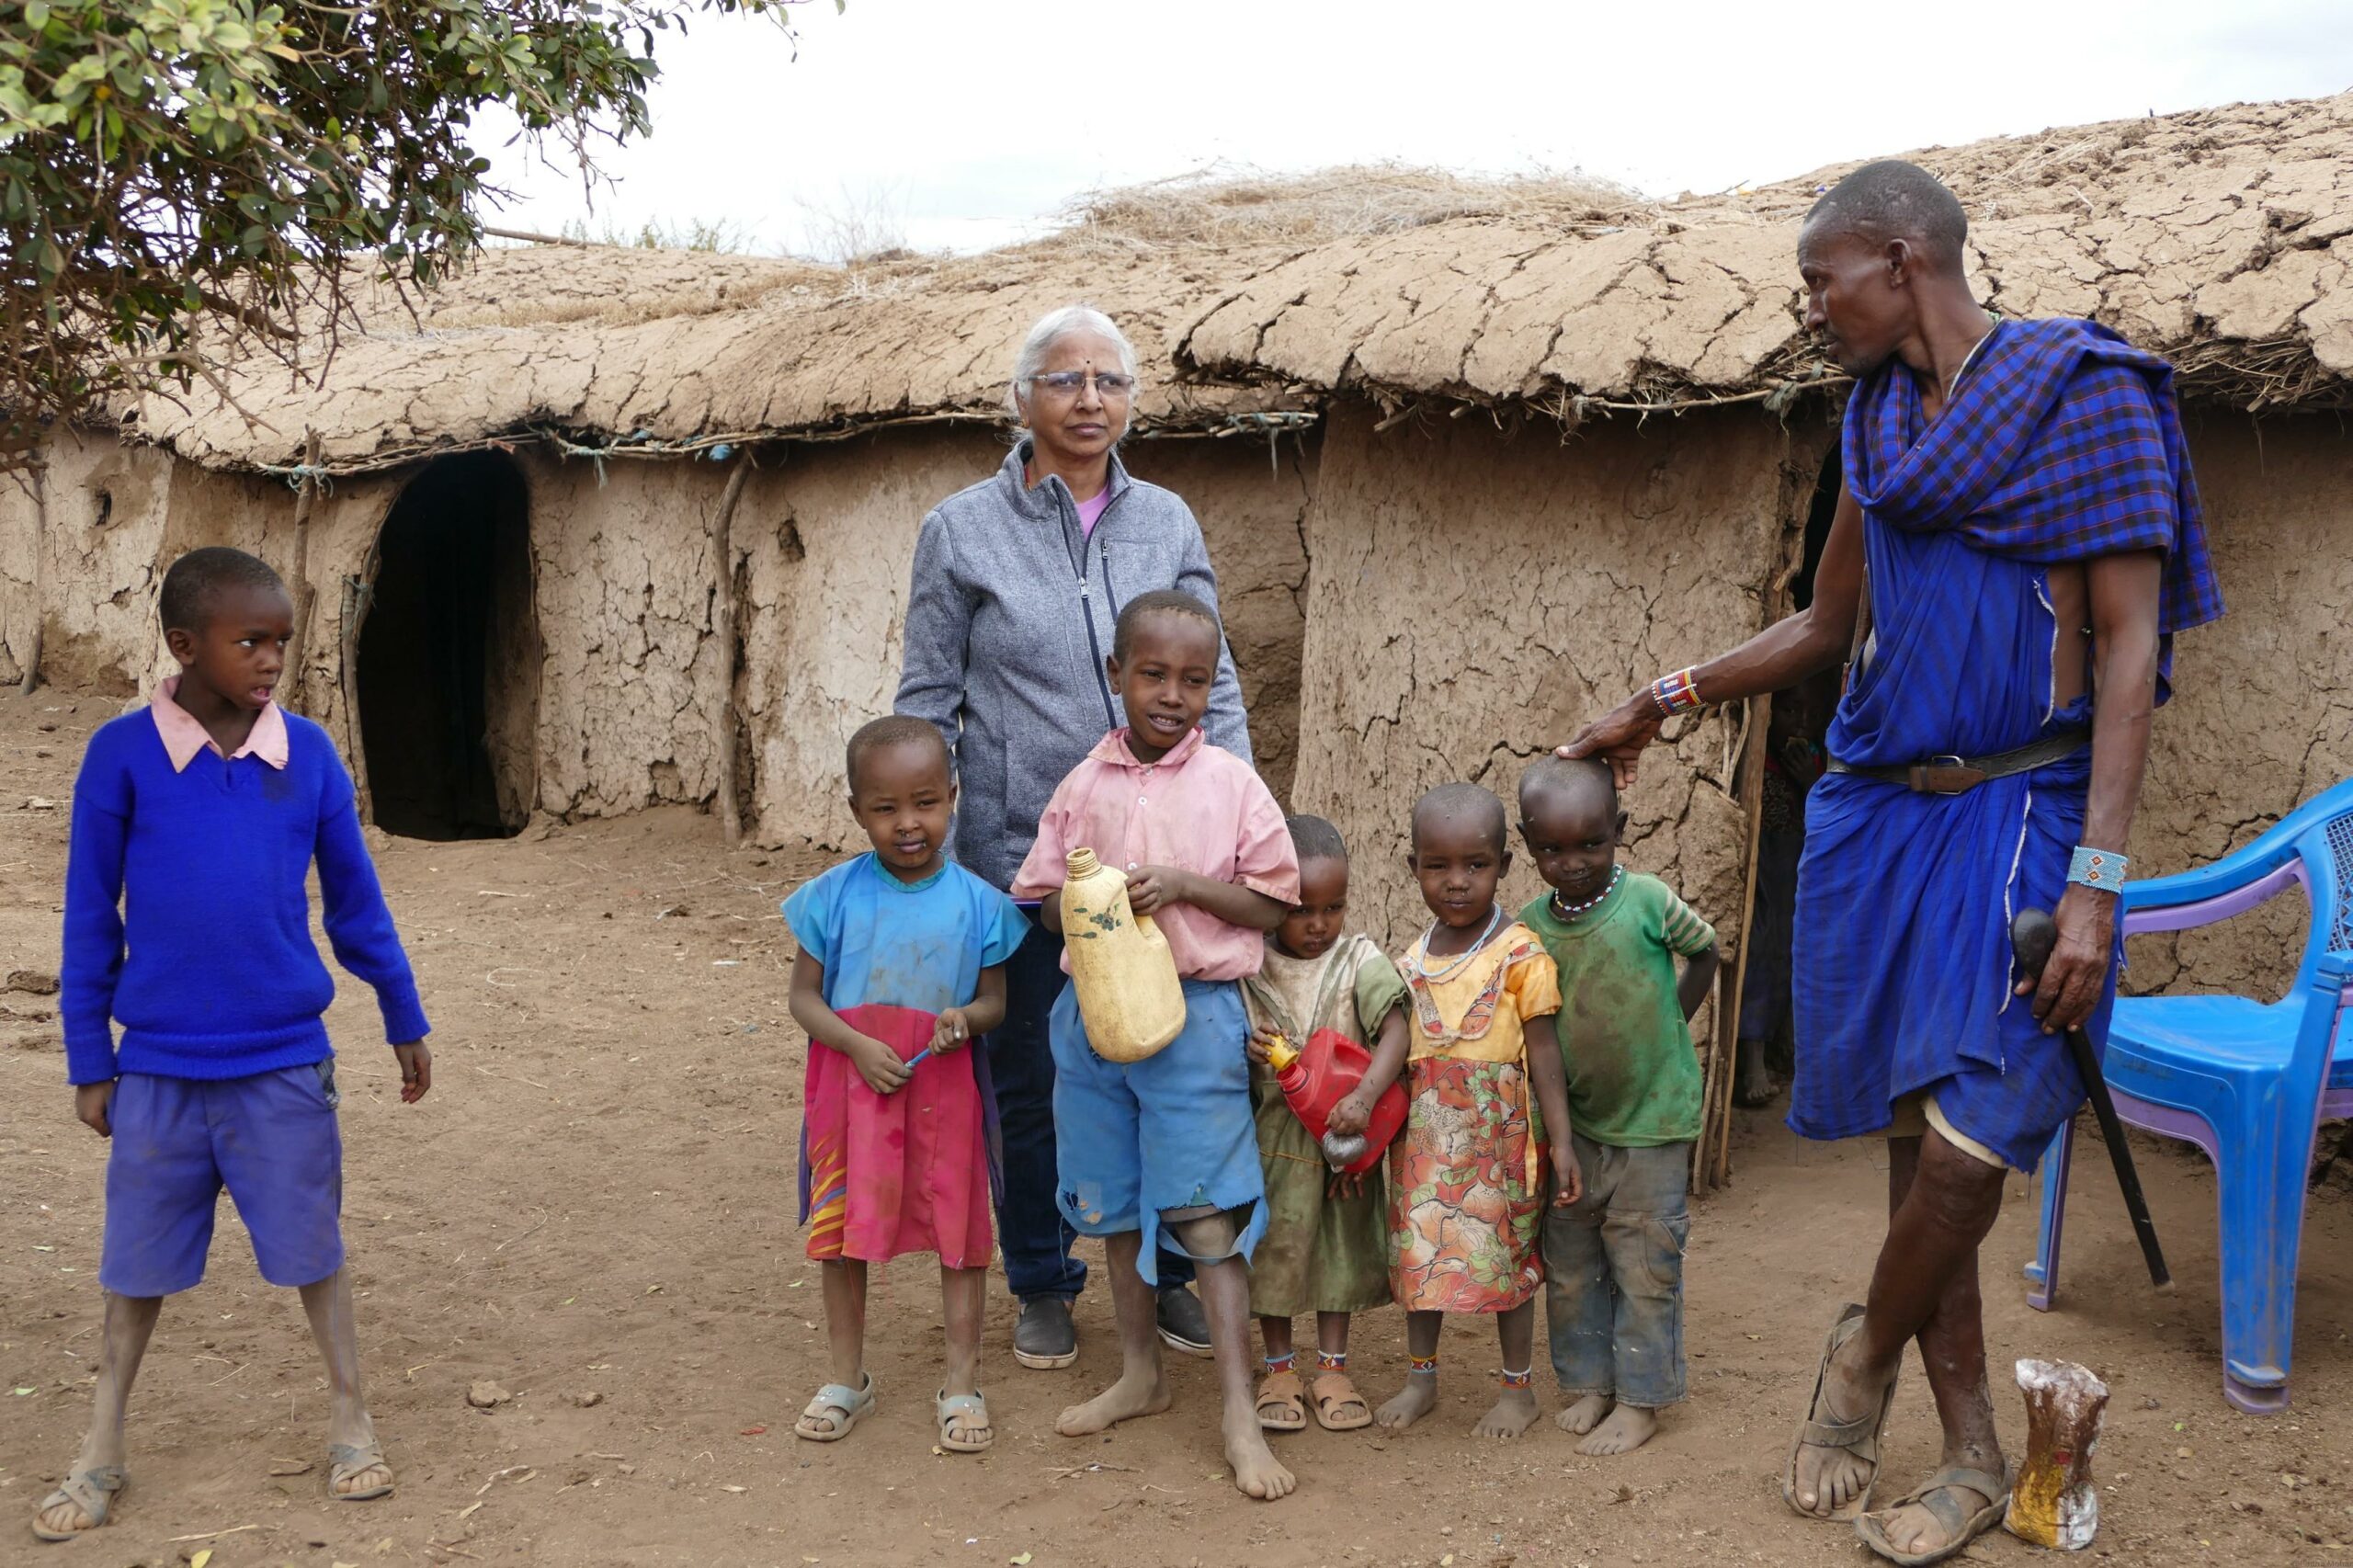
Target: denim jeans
x,y
1613,1275
1031,1233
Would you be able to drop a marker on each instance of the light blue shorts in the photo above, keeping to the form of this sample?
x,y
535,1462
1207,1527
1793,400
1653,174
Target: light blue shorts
x,y
1171,1132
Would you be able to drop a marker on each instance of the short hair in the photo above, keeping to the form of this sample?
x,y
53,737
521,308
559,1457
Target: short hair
x,y
1892,199
200,576
1550,774
1050,329
1313,839
896,729
1160,601
1460,800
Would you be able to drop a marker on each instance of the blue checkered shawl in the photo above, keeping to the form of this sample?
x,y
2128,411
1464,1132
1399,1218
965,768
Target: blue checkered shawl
x,y
2063,444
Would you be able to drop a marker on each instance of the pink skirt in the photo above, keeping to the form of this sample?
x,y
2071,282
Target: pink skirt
x,y
885,1174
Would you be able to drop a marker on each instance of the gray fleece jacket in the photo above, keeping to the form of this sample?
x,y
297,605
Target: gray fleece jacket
x,y
1008,622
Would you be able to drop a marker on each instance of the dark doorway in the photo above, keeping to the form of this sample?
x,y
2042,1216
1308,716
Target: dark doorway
x,y
448,656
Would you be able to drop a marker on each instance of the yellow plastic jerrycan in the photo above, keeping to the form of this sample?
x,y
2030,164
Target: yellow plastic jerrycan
x,y
1128,989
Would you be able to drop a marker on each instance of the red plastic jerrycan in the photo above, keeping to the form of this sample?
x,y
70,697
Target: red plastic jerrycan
x,y
1320,1077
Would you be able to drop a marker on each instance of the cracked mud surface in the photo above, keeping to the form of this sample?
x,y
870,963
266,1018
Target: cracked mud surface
x,y
596,1200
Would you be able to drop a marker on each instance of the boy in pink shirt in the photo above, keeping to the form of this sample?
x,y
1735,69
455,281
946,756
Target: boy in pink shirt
x,y
1169,1143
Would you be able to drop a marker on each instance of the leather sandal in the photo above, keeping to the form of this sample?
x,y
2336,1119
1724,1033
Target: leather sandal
x,y
1281,1404
1859,1437
93,1491
1333,1390
1936,1494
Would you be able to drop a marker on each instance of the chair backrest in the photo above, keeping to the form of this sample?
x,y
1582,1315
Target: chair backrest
x,y
2323,843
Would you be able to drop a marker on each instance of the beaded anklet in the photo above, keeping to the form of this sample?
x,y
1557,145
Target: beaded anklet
x,y
1518,1379
1422,1365
1325,1361
1282,1363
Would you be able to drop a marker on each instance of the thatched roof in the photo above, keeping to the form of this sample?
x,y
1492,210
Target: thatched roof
x,y
2218,237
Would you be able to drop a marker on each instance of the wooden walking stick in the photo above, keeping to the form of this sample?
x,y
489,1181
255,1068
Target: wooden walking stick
x,y
2032,936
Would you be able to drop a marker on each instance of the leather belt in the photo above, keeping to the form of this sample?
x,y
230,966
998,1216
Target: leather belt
x,y
1956,774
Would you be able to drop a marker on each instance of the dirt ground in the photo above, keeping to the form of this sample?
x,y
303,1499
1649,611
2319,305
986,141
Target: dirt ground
x,y
593,1210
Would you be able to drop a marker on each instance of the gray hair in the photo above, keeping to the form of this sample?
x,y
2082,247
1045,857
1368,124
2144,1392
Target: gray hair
x,y
1050,329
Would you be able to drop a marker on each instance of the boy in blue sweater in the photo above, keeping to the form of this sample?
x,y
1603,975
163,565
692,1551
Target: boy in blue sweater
x,y
186,922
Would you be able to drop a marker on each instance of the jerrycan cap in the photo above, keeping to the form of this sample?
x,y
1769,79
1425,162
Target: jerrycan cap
x,y
1280,1053
1081,862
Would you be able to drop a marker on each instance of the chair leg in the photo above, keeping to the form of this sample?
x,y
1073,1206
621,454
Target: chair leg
x,y
2262,1193
2042,1274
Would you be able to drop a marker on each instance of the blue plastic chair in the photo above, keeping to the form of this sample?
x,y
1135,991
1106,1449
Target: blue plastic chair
x,y
2248,1082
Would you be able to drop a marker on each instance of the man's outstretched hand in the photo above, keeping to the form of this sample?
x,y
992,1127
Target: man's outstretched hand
x,y
1618,737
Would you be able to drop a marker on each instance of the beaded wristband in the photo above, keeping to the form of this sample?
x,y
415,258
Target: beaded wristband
x,y
1677,693
2100,868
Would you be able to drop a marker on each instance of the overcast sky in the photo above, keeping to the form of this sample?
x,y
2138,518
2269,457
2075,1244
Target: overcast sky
x,y
970,121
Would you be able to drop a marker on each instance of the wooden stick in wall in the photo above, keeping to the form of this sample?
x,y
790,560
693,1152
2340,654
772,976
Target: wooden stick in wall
x,y
305,497
41,546
1752,799
722,552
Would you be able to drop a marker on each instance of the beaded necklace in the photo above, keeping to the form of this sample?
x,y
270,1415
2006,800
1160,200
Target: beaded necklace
x,y
1564,913
1461,959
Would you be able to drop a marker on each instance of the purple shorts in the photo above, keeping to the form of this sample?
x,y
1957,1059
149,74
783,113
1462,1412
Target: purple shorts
x,y
270,1139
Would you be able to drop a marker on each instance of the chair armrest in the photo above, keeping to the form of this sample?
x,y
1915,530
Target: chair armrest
x,y
2202,897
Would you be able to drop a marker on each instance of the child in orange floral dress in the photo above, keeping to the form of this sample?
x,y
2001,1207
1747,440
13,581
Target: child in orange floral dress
x,y
1466,1176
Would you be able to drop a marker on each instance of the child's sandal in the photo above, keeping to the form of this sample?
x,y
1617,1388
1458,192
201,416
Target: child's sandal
x,y
840,1403
93,1491
1281,1402
1334,1391
960,1415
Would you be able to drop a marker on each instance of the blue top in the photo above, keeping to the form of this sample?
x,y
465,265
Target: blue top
x,y
889,943
186,919
2061,444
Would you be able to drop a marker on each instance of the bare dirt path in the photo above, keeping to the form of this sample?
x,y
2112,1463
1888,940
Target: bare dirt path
x,y
594,1212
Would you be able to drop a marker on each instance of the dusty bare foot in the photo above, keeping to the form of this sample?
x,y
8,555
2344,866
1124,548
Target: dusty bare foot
x,y
1415,1399
1257,1473
1628,1428
1828,1479
1514,1411
1753,1084
1123,1400
1585,1414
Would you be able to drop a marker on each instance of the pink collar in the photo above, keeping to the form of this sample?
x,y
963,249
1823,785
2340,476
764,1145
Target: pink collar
x,y
183,736
1113,749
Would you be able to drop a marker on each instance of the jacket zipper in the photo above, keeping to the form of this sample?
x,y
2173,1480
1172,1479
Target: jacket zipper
x,y
1086,606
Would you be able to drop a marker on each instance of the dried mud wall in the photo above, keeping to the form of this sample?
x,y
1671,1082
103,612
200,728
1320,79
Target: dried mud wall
x,y
2262,717
824,541
1475,595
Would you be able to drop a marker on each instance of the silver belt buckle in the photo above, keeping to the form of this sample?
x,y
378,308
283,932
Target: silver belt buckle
x,y
1948,760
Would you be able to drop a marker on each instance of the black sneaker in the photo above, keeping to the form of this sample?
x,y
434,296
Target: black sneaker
x,y
1183,1325
1045,1339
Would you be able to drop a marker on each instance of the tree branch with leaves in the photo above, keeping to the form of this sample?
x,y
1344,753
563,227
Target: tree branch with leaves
x,y
187,182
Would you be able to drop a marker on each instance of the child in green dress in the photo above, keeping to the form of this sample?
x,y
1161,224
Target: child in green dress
x,y
1325,1249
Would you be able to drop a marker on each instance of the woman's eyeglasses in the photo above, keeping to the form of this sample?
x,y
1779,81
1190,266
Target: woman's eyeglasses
x,y
1066,383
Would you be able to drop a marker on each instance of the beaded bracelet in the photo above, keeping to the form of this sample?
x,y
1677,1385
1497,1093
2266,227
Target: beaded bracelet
x,y
2100,868
1677,693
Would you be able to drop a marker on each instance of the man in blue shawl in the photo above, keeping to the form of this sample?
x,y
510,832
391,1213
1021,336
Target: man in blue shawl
x,y
2018,540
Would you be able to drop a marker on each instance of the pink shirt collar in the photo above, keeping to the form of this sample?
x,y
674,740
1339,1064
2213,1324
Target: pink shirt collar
x,y
1113,748
183,736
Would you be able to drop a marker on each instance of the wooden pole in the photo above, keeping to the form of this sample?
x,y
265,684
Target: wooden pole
x,y
305,497
722,550
39,467
358,593
1751,795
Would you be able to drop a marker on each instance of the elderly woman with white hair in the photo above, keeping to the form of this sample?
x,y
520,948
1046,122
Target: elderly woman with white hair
x,y
1018,580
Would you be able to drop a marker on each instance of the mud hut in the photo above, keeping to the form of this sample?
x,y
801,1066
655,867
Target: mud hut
x,y
598,529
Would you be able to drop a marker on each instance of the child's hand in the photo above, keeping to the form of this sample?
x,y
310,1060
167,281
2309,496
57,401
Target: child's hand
x,y
417,1071
1260,1039
1353,1114
949,1032
1156,887
1567,1178
91,1102
883,1068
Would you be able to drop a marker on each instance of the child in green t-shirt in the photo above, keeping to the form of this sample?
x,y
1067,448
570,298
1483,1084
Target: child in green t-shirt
x,y
1613,1260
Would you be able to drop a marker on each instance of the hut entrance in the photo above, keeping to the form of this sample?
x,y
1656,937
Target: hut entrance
x,y
1793,760
448,656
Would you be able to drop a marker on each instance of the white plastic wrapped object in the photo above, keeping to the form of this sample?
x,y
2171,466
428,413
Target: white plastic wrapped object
x,y
2052,1500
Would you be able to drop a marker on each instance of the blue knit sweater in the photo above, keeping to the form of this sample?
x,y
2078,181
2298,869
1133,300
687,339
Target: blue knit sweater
x,y
199,875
